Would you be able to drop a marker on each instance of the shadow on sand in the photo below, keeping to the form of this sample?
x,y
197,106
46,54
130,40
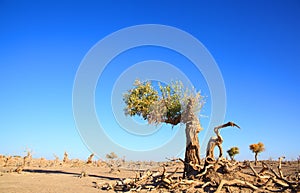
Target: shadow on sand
x,y
68,173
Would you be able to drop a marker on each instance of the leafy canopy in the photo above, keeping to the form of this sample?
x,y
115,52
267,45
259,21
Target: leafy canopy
x,y
139,99
233,151
163,105
257,148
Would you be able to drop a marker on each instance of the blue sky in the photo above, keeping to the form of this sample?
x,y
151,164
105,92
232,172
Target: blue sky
x,y
256,45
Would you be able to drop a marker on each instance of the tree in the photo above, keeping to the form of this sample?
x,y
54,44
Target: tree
x,y
90,159
256,149
233,151
111,156
217,141
66,157
170,104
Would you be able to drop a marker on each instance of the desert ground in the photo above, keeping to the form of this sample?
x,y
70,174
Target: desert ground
x,y
26,174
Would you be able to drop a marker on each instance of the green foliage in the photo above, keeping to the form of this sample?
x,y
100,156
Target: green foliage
x,y
139,99
163,106
233,151
111,156
171,100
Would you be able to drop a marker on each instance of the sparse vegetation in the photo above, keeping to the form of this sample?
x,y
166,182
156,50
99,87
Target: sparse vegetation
x,y
56,160
256,149
27,158
112,163
111,156
217,176
232,152
66,157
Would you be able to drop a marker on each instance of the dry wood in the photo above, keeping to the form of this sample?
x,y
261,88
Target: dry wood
x,y
214,175
257,174
217,140
204,171
19,169
235,182
90,159
279,166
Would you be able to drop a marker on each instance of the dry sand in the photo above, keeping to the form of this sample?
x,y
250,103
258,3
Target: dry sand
x,y
59,179
67,178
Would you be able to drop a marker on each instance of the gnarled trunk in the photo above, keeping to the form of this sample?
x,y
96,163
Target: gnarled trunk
x,y
192,152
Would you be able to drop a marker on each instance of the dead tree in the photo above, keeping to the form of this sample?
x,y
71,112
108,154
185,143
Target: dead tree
x,y
215,176
192,152
27,159
217,140
279,166
90,159
66,157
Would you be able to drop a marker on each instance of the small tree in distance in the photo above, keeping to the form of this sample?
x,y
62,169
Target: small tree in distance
x,y
90,159
112,163
111,156
232,152
256,149
66,157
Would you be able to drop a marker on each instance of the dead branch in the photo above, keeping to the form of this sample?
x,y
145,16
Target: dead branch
x,y
19,169
90,159
281,181
174,172
258,174
230,168
279,166
207,184
217,140
235,182
213,175
204,170
225,177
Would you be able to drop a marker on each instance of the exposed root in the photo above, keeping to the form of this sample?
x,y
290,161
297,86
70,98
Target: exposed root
x,y
218,176
235,182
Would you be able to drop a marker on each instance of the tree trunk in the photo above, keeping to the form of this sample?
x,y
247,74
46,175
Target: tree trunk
x,y
192,152
255,158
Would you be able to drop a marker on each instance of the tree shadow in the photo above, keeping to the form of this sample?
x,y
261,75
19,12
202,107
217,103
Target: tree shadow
x,y
68,173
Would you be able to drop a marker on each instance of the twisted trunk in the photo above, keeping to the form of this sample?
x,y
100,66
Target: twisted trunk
x,y
192,151
255,158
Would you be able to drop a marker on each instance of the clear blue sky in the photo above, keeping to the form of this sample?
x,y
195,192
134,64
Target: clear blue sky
x,y
256,45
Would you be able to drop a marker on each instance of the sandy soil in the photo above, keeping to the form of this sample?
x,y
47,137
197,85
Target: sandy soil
x,y
49,176
60,179
69,178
